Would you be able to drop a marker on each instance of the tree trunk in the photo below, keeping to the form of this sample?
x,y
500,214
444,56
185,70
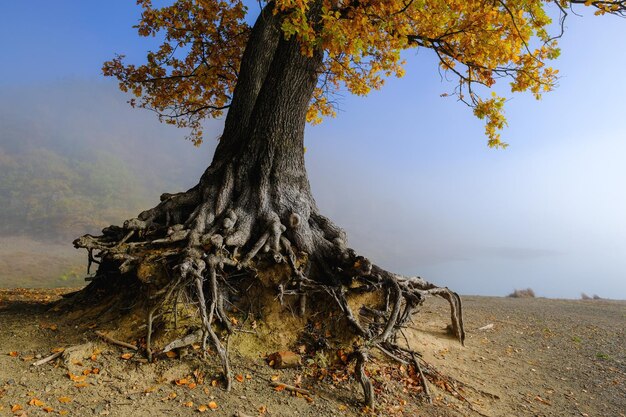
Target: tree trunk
x,y
253,208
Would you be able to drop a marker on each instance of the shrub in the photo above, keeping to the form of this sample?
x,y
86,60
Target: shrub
x,y
527,293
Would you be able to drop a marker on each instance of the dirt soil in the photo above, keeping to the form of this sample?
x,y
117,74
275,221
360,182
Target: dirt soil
x,y
532,357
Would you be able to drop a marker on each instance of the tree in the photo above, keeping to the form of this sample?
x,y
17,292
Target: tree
x,y
252,213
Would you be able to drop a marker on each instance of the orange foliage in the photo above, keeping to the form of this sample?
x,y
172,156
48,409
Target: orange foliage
x,y
193,73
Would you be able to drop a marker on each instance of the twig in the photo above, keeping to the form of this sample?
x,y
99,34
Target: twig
x,y
291,388
115,341
49,358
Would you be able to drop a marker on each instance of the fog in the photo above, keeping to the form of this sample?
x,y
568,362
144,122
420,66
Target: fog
x,y
405,172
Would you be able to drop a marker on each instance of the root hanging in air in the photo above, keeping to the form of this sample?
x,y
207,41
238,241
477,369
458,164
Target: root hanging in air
x,y
188,251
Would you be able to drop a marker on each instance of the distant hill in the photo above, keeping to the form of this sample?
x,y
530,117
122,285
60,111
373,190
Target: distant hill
x,y
74,157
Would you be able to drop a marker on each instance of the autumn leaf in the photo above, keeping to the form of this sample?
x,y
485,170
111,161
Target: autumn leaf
x,y
126,356
14,354
171,354
16,407
280,387
36,402
76,378
188,404
58,349
81,385
64,412
239,378
202,408
213,405
48,409
65,400
181,381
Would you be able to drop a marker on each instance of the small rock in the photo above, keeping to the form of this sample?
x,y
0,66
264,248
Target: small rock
x,y
284,359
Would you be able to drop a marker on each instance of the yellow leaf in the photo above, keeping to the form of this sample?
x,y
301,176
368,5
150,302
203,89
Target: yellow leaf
x,y
14,354
212,405
64,412
171,354
202,408
48,409
65,400
16,407
126,356
188,404
239,378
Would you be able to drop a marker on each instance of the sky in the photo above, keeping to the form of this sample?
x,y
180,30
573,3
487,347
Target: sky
x,y
406,172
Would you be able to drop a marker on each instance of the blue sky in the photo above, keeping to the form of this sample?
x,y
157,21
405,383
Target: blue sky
x,y
408,173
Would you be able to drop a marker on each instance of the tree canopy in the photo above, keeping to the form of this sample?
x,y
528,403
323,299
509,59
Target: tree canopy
x,y
192,74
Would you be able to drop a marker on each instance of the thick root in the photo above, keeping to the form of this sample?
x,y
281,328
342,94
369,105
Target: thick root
x,y
185,246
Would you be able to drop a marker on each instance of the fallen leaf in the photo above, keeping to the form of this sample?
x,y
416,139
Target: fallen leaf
x,y
16,407
280,387
212,405
172,395
274,377
188,404
262,409
126,356
65,400
35,401
192,385
202,408
214,383
171,354
48,409
76,378
14,354
57,350
81,385
239,378
181,381
64,412
248,376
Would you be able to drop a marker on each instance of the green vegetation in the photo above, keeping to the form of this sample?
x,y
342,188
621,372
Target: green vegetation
x,y
46,194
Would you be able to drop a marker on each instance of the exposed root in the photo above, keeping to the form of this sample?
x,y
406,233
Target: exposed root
x,y
192,245
359,371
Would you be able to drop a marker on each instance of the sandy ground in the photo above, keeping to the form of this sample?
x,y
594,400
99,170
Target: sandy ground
x,y
538,357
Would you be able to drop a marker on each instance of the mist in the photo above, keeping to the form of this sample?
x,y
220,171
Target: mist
x,y
454,213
